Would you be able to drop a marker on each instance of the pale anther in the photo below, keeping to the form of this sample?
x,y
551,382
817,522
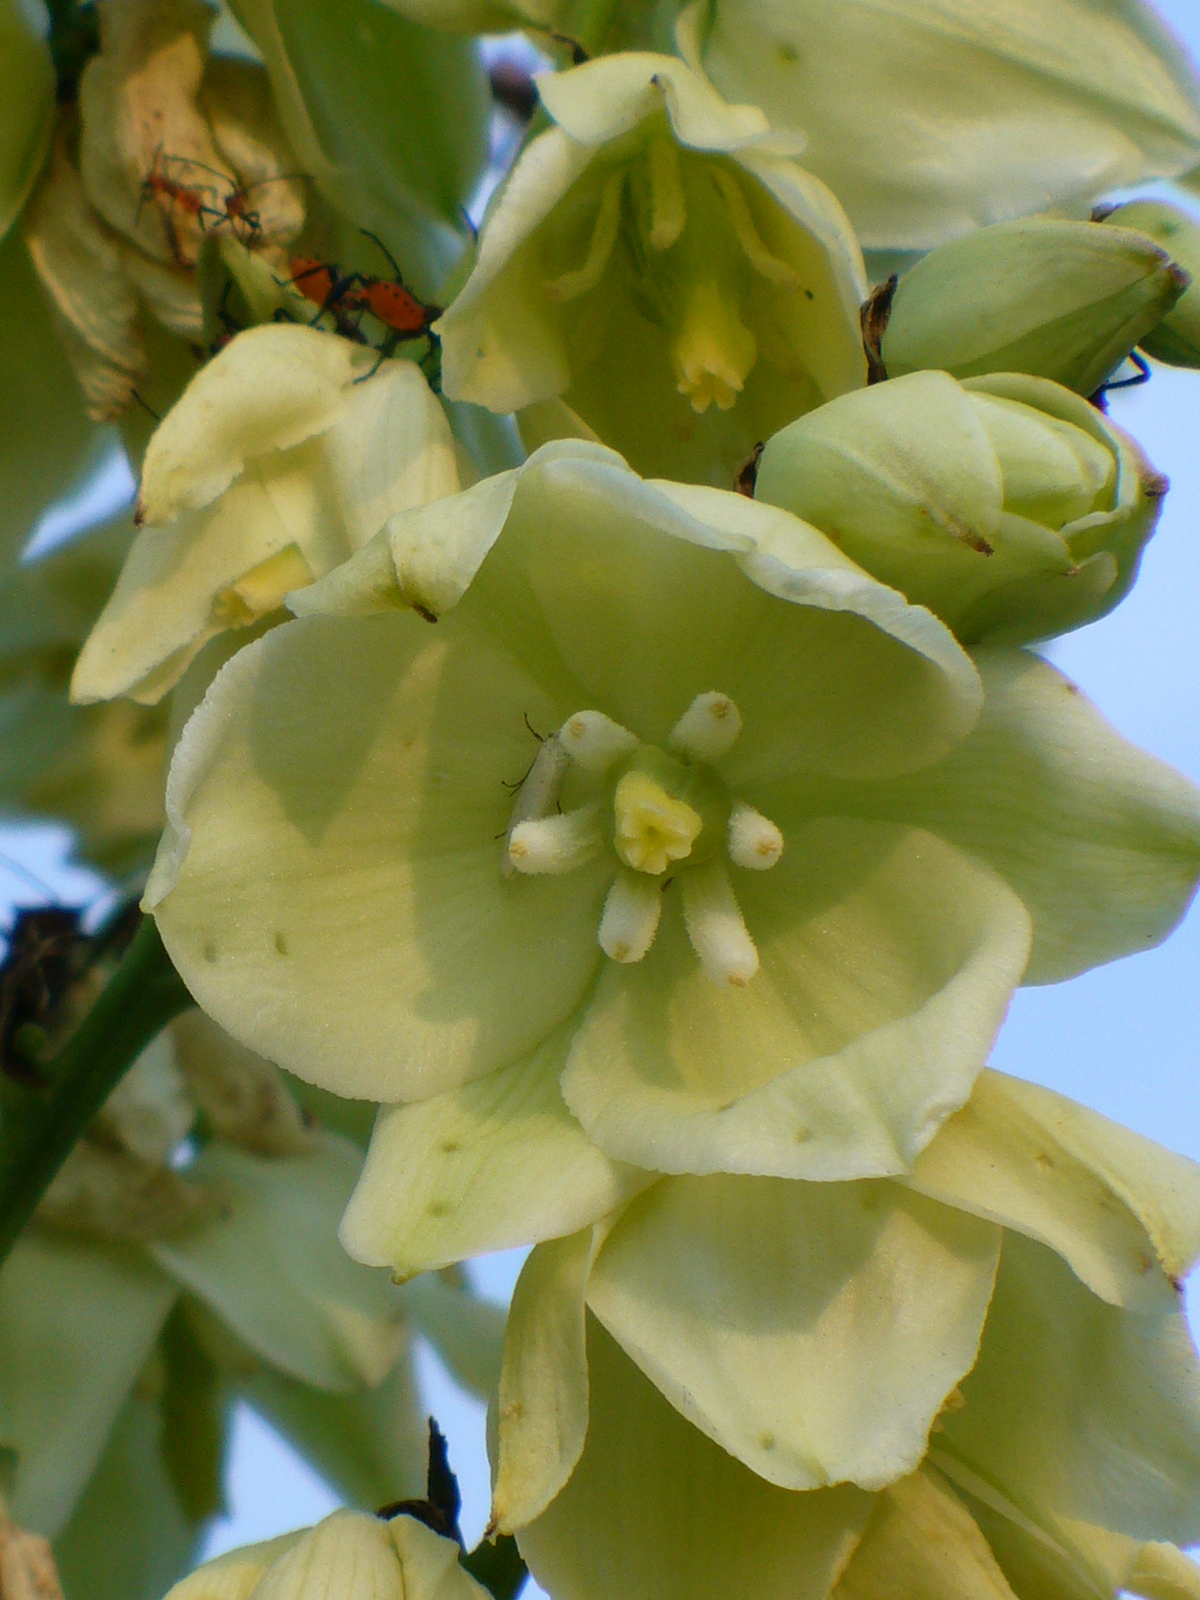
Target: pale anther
x,y
764,263
631,915
707,728
538,794
653,828
556,844
572,284
753,840
669,212
715,926
595,741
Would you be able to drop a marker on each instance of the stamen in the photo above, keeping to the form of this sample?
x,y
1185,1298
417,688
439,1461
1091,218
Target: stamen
x,y
715,927
608,220
754,841
538,794
775,271
557,844
707,728
631,915
666,192
595,741
653,828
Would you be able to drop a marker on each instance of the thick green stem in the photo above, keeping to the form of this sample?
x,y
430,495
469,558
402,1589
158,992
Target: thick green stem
x,y
40,1124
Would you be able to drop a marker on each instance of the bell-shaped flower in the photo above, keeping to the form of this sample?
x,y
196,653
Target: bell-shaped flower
x,y
660,266
1003,1321
284,455
1053,299
350,1553
1006,504
927,121
754,816
1176,339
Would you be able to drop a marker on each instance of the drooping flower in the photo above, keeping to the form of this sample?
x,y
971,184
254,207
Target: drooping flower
x,y
659,262
366,876
284,455
818,1383
1006,504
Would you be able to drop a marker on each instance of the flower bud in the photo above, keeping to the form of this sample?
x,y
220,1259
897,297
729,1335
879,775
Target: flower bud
x,y
1176,339
1061,300
348,1553
1006,504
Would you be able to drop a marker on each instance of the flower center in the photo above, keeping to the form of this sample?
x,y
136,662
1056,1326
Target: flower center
x,y
658,811
696,251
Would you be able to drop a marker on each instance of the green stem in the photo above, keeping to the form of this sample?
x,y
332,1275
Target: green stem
x,y
40,1124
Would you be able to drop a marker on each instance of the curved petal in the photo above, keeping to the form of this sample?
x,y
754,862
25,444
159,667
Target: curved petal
x,y
271,387
498,1163
1124,1212
609,575
1099,839
542,1412
329,884
272,1268
608,97
178,587
655,1508
27,81
813,1330
501,343
922,1544
887,963
906,102
1108,1425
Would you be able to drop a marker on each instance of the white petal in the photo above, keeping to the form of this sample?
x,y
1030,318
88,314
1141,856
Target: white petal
x,y
498,1163
1124,1212
813,1330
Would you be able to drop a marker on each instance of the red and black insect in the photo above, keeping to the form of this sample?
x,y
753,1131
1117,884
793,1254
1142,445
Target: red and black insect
x,y
350,296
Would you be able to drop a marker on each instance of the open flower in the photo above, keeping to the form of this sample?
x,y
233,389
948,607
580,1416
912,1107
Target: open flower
x,y
659,262
834,1339
1006,504
736,941
284,455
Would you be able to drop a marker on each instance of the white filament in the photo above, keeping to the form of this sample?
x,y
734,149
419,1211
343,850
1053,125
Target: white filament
x,y
595,741
752,839
631,915
539,792
715,927
608,221
556,844
707,728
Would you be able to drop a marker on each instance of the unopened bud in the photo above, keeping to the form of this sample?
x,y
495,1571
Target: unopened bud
x,y
1006,504
1176,339
1060,300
